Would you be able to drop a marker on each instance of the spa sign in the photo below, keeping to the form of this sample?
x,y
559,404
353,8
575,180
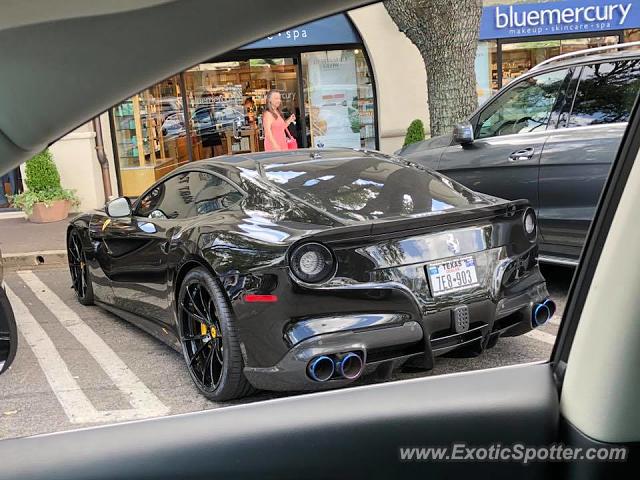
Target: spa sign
x,y
556,18
333,30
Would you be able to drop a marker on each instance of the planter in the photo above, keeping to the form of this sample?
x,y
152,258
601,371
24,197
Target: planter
x,y
59,210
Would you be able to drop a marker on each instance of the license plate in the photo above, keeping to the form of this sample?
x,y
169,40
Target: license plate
x,y
452,276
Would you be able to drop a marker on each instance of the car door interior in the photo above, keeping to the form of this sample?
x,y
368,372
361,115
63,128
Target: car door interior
x,y
8,330
340,434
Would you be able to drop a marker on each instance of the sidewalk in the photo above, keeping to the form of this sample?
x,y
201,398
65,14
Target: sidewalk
x,y
26,244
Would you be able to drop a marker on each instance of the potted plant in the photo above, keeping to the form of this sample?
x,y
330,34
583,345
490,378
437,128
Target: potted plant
x,y
44,200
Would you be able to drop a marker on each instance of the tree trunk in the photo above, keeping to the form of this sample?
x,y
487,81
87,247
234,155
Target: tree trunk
x,y
446,34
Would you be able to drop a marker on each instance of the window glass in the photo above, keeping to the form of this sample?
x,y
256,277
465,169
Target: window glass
x,y
518,58
227,100
187,195
524,108
486,66
338,94
368,188
150,135
606,93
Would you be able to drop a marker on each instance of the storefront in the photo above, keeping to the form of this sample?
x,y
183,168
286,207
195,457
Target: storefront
x,y
516,36
321,70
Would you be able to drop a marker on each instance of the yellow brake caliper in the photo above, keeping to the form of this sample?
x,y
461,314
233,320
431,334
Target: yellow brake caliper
x,y
203,330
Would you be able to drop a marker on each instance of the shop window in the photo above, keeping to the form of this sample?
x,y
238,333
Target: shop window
x,y
632,35
518,58
150,135
568,45
486,65
226,101
339,103
606,93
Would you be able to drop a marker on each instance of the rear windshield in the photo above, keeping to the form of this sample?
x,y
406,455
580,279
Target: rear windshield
x,y
368,188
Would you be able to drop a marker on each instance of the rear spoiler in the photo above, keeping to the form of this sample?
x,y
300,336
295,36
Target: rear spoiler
x,y
440,220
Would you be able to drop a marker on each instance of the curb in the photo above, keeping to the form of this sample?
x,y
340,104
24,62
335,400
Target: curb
x,y
45,258
10,215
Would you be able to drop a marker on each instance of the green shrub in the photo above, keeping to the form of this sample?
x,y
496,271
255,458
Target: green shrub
x,y
415,133
43,183
42,173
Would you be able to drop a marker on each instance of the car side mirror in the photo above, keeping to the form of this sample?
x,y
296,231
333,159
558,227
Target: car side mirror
x,y
463,133
8,332
118,208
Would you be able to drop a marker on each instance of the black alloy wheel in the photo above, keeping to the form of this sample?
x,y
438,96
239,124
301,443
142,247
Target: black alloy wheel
x,y
208,338
81,281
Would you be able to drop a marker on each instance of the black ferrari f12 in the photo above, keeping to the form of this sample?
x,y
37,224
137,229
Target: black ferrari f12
x,y
301,270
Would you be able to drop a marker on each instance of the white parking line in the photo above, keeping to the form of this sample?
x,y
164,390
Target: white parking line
x,y
145,404
555,320
73,400
542,336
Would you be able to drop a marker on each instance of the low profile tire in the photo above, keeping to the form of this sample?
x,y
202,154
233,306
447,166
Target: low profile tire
x,y
80,276
209,338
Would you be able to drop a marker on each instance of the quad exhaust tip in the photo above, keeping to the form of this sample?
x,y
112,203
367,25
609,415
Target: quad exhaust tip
x,y
346,365
542,312
350,366
321,368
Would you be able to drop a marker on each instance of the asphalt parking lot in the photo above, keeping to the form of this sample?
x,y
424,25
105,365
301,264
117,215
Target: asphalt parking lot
x,y
79,366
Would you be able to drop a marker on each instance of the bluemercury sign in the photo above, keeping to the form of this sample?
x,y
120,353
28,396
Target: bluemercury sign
x,y
334,30
555,18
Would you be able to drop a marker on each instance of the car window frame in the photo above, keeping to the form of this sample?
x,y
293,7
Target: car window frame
x,y
599,229
136,204
475,118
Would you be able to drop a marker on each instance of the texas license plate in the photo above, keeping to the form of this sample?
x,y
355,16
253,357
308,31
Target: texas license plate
x,y
452,275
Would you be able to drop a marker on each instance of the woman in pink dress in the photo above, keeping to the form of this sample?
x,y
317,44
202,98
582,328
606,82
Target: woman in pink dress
x,y
274,125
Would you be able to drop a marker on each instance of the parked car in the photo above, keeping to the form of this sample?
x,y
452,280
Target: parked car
x,y
297,270
205,121
8,329
550,137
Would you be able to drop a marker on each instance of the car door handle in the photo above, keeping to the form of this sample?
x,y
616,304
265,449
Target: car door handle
x,y
524,154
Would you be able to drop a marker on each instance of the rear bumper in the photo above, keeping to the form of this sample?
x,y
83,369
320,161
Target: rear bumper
x,y
395,338
291,372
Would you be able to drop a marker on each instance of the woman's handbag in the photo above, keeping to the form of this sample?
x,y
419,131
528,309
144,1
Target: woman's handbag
x,y
292,143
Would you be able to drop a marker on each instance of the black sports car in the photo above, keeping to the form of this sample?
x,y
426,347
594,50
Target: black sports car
x,y
300,270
